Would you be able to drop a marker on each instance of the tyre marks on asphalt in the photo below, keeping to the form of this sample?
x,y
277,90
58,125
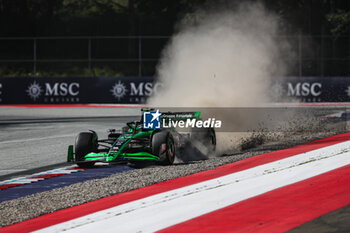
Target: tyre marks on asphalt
x,y
45,181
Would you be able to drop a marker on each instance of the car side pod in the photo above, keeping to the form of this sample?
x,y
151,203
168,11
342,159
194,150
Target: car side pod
x,y
70,154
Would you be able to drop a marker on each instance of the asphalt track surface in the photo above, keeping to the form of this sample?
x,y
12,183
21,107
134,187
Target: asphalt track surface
x,y
33,140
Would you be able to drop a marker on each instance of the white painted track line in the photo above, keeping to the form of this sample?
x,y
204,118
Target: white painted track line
x,y
168,208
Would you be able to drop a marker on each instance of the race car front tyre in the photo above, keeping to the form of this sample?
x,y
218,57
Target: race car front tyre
x,y
163,145
85,143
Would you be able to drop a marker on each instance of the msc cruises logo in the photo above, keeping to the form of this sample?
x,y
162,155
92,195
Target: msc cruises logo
x,y
151,120
34,90
119,90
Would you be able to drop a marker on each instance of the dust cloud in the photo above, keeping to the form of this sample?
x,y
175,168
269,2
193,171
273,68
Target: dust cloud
x,y
226,58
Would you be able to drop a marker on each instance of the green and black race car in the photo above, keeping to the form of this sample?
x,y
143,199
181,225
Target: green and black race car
x,y
133,143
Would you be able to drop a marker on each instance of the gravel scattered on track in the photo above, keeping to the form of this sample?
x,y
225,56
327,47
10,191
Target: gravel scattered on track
x,y
20,209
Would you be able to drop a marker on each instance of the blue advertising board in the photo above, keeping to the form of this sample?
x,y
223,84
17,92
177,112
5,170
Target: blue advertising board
x,y
136,90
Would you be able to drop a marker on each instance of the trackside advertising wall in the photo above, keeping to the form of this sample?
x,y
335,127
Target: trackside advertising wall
x,y
311,89
74,90
136,90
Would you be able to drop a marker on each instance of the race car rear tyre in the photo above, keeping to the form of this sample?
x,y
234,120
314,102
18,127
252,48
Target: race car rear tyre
x,y
206,136
85,143
163,145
